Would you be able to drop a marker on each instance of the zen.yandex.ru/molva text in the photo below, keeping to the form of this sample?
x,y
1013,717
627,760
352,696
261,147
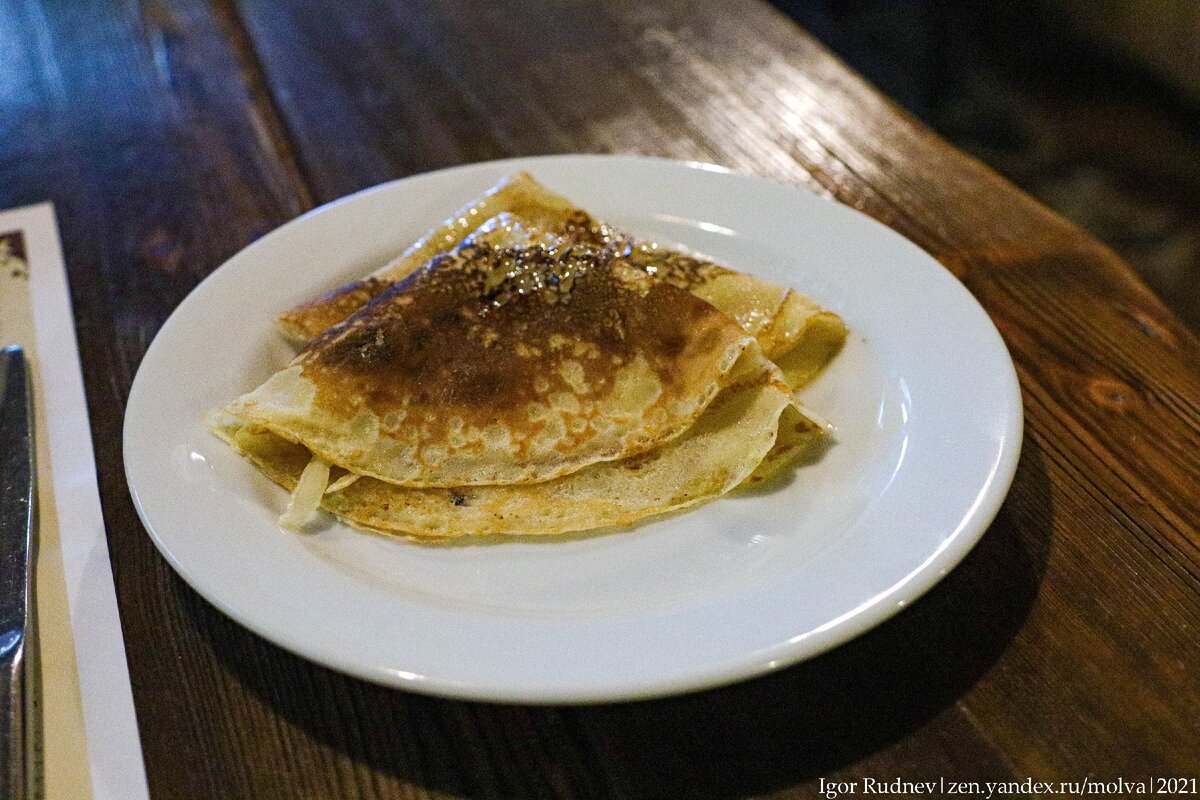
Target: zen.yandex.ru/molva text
x,y
942,787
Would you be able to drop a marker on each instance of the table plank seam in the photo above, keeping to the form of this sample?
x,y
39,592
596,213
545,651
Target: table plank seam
x,y
268,114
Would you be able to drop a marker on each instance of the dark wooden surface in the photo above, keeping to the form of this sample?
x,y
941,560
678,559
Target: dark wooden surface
x,y
171,133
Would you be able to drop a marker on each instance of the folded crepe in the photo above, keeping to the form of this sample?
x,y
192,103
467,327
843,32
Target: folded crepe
x,y
534,378
783,321
752,429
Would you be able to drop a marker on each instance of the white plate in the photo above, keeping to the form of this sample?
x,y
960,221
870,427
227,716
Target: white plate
x,y
924,397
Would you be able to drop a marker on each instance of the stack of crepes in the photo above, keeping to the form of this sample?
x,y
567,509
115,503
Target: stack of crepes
x,y
526,369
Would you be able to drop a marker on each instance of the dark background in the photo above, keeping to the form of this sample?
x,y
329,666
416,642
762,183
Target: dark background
x,y
1092,106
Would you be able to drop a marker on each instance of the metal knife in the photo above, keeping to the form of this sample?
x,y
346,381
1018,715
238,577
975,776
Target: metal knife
x,y
18,551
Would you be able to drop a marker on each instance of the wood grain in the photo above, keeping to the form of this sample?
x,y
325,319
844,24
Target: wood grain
x,y
171,134
134,121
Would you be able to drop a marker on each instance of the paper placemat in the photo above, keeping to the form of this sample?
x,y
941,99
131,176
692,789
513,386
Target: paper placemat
x,y
90,737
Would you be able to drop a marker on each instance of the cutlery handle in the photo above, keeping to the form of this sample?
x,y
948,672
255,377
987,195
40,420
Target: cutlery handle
x,y
15,755
18,545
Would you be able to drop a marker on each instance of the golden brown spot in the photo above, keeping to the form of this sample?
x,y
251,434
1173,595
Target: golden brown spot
x,y
330,309
677,269
572,372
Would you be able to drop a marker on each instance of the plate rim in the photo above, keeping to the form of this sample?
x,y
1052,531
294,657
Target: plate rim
x,y
878,609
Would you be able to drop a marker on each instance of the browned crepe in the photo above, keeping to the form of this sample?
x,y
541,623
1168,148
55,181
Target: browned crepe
x,y
516,357
781,319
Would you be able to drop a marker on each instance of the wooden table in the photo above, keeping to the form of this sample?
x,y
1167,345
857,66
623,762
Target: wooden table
x,y
172,133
